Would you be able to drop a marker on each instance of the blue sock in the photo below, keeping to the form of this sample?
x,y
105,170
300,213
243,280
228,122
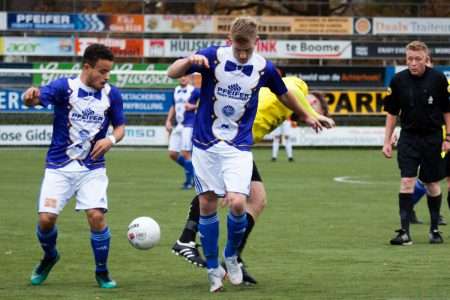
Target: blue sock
x,y
419,191
189,170
181,160
48,241
208,228
236,231
100,246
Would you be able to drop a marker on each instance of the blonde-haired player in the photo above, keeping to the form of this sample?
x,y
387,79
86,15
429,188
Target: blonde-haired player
x,y
270,114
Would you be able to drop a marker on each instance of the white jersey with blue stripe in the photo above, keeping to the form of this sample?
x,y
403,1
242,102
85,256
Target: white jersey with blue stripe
x,y
181,96
81,117
229,97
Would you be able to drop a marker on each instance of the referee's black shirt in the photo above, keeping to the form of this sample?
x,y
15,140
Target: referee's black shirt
x,y
420,101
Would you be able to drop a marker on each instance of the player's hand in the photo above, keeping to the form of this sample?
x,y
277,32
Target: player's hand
x,y
101,147
31,96
198,59
445,146
394,139
387,150
189,107
169,127
314,123
326,122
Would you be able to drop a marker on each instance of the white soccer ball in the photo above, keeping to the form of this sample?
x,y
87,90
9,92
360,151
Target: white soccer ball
x,y
143,233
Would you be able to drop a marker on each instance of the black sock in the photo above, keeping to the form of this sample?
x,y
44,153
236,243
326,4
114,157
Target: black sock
x,y
190,229
434,206
405,204
250,225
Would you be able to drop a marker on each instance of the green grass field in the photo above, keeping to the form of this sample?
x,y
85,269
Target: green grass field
x,y
317,239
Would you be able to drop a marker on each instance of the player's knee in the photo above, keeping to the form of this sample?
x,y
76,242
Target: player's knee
x,y
47,221
237,205
96,219
407,184
173,155
433,189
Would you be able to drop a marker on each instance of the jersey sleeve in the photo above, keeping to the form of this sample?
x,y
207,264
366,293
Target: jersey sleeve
x,y
210,53
116,110
195,96
301,99
390,102
54,93
274,81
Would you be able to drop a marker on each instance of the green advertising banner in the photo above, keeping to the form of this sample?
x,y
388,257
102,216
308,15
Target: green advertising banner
x,y
137,81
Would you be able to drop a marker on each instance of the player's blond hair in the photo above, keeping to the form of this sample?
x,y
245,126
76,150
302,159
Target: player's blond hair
x,y
244,29
417,46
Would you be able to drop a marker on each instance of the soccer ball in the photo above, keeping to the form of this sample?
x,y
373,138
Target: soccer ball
x,y
143,233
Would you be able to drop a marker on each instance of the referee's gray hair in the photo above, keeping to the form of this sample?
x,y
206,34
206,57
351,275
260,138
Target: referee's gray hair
x,y
418,46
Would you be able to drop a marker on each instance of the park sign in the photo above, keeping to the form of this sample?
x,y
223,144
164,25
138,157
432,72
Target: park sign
x,y
127,80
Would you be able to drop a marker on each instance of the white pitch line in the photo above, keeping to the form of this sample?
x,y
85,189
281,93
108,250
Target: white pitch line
x,y
352,180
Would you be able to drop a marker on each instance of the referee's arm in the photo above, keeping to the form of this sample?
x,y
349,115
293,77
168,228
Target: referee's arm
x,y
391,120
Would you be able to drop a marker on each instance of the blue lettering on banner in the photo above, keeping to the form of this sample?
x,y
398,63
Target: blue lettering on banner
x,y
41,21
134,102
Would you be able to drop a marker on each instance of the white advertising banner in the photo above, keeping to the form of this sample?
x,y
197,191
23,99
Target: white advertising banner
x,y
339,136
326,49
411,26
36,135
39,46
309,49
3,20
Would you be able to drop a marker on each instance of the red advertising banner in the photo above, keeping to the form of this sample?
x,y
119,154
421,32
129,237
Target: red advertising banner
x,y
120,47
127,23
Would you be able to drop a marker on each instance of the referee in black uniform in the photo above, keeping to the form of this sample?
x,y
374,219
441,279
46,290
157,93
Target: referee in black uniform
x,y
419,95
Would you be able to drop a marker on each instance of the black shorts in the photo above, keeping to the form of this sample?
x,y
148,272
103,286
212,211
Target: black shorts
x,y
255,174
421,150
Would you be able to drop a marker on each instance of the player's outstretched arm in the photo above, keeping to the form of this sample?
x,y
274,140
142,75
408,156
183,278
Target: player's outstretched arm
x,y
102,146
289,100
180,66
31,96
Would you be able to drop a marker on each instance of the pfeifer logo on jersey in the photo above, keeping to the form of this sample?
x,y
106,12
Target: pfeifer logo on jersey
x,y
87,115
233,91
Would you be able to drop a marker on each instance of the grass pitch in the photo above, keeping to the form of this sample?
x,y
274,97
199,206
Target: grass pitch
x,y
317,239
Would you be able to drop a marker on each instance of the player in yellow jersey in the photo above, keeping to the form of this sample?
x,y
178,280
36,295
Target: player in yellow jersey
x,y
270,114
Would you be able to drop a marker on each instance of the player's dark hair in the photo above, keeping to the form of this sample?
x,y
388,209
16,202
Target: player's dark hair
x,y
323,102
95,52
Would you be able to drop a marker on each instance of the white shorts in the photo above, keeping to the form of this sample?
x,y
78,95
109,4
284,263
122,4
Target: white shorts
x,y
221,169
59,186
284,129
181,139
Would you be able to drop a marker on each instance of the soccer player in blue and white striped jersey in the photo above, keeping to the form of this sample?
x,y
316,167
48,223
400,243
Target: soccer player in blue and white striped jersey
x,y
84,107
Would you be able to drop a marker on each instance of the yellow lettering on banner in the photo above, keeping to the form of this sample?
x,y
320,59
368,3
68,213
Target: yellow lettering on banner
x,y
355,102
